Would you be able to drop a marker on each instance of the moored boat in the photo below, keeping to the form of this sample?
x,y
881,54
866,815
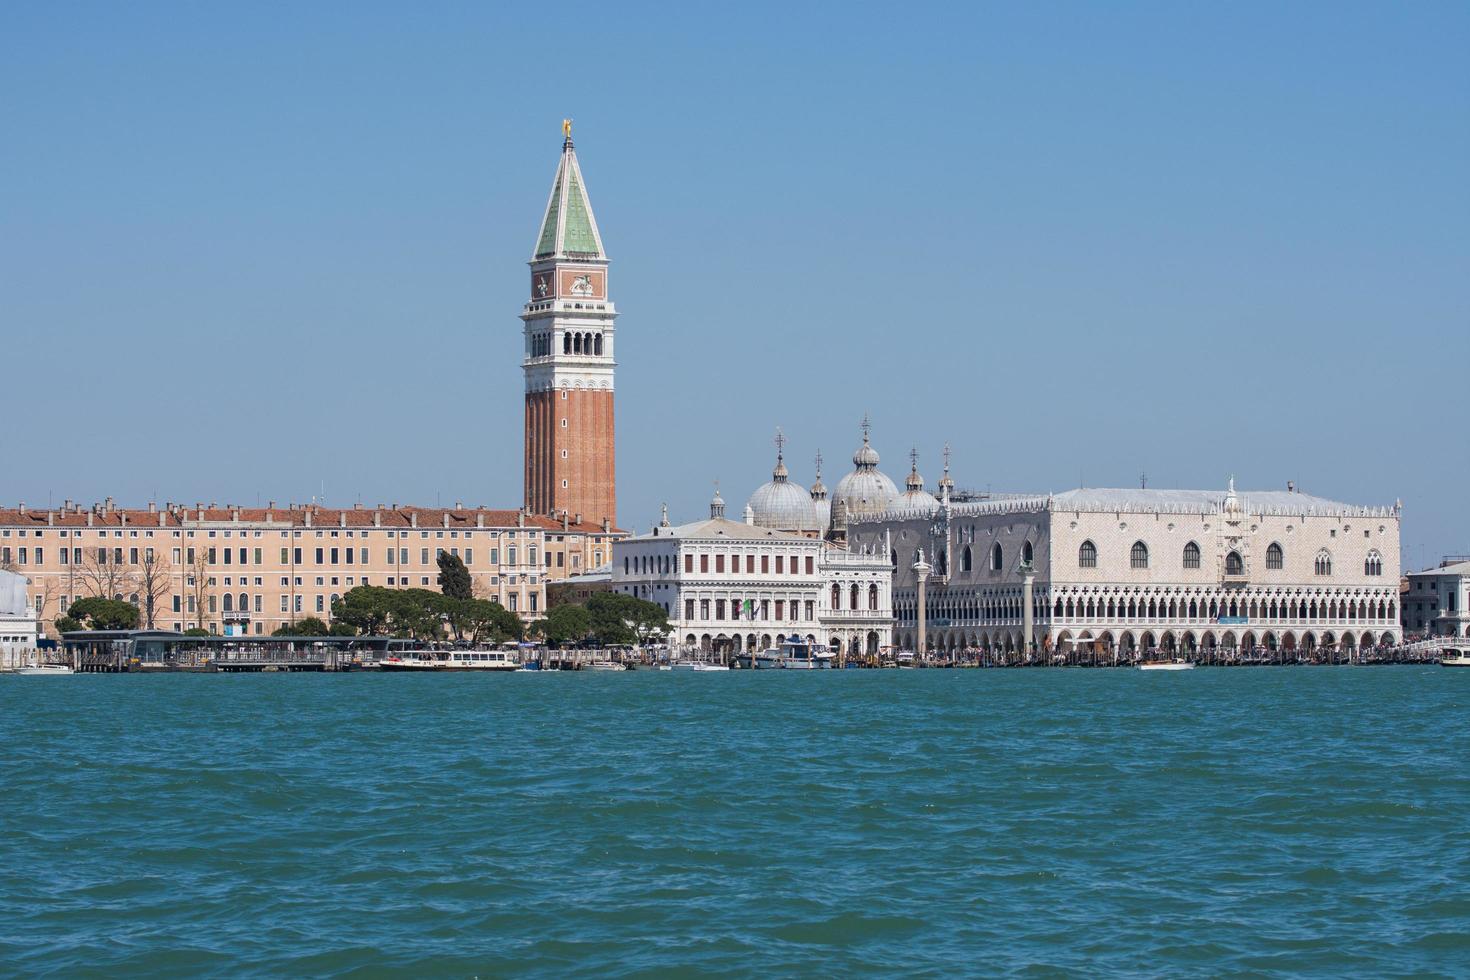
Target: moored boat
x,y
1178,663
1455,657
450,660
44,670
604,665
695,665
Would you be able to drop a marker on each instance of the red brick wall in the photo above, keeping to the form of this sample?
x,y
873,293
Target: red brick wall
x,y
588,438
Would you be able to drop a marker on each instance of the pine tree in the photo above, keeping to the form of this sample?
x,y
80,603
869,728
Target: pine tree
x,y
454,578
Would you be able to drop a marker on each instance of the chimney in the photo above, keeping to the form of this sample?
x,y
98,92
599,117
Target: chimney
x,y
459,505
357,506
1290,486
564,520
22,506
270,505
107,505
378,516
341,518
521,518
91,516
308,517
413,519
235,514
152,507
480,519
66,505
577,519
50,518
606,524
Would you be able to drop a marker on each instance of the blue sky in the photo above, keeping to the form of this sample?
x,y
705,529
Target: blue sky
x,y
254,251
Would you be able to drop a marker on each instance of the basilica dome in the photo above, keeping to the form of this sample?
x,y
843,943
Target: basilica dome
x,y
867,490
782,505
915,497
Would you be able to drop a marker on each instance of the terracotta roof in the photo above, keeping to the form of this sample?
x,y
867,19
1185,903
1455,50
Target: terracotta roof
x,y
321,517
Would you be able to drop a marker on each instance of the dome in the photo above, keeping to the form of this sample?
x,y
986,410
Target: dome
x,y
782,505
915,497
867,490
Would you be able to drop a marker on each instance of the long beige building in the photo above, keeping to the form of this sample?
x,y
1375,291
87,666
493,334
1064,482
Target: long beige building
x,y
251,570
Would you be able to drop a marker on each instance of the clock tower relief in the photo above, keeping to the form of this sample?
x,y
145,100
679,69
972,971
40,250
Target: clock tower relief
x,y
568,365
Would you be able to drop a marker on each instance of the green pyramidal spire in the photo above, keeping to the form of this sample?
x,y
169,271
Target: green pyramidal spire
x,y
569,229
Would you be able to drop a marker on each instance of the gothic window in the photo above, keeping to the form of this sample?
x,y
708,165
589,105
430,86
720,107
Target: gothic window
x,y
836,596
996,558
1233,564
1138,557
1274,557
1373,564
873,597
566,343
1087,555
1191,555
1323,564
893,557
853,597
965,559
943,563
597,344
1026,551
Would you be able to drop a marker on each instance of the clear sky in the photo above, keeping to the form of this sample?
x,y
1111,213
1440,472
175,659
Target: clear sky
x,y
262,251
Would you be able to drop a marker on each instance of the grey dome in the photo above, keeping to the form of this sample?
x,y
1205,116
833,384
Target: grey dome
x,y
867,490
782,505
915,497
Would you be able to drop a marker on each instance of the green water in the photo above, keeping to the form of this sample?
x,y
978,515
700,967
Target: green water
x,y
1268,821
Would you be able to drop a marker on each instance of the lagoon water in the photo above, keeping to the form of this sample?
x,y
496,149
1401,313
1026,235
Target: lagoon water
x,y
1266,821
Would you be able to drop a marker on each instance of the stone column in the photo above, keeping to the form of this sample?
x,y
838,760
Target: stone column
x,y
922,569
1028,609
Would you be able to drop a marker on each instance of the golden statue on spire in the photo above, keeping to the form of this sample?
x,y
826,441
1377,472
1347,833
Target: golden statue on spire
x,y
566,128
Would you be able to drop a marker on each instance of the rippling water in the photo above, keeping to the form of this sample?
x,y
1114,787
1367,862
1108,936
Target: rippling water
x,y
1276,820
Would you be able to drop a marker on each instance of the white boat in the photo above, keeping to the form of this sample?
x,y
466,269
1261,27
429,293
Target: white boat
x,y
797,654
43,670
450,660
695,665
1178,663
603,665
1455,658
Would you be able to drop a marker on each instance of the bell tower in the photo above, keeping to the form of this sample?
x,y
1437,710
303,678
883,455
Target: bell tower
x,y
568,361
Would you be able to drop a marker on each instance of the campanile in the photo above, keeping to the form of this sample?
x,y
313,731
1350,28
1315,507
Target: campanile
x,y
569,357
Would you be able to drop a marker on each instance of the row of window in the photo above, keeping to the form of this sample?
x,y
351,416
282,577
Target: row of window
x,y
749,609
660,564
997,557
320,532
1197,609
852,598
1138,557
289,556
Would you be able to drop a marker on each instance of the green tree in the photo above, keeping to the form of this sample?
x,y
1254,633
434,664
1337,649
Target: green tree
x,y
564,624
454,578
366,609
201,631
310,626
621,618
104,614
485,621
65,624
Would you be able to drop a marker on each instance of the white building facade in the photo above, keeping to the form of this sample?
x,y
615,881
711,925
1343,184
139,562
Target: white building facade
x,y
731,586
1129,571
18,630
1435,601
